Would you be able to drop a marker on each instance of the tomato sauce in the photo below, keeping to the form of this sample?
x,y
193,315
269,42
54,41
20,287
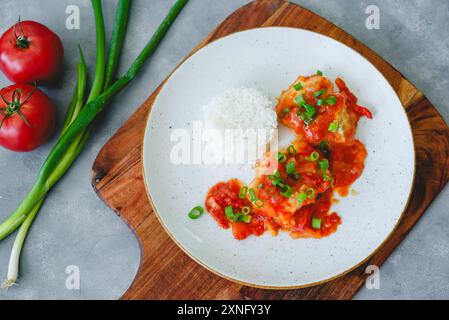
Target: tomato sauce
x,y
324,159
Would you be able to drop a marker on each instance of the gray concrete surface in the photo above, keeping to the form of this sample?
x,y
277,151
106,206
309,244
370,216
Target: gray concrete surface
x,y
76,228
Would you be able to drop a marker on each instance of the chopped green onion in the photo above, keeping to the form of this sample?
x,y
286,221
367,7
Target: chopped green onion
x,y
236,217
277,182
316,223
333,127
298,86
196,212
291,168
246,210
302,197
288,191
324,146
314,156
292,150
331,100
259,203
243,192
319,72
260,186
310,110
310,193
319,93
229,212
299,100
246,219
324,164
321,102
305,118
281,157
252,195
326,177
286,111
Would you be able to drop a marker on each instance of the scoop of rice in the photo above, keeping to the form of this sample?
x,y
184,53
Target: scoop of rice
x,y
239,113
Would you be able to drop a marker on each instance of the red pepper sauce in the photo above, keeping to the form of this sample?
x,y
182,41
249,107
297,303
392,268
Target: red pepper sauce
x,y
281,204
225,194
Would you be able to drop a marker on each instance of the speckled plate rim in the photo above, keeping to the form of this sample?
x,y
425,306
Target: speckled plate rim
x,y
197,260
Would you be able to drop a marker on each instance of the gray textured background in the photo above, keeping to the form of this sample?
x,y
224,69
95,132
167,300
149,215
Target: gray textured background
x,y
76,228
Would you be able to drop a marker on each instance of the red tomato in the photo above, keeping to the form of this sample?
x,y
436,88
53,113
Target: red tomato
x,y
29,52
27,117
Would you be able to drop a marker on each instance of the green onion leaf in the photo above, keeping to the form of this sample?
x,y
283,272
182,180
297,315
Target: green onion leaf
x,y
246,210
319,72
229,213
292,150
243,192
305,118
331,100
310,110
277,182
260,186
281,157
299,100
197,212
288,191
246,219
302,197
298,86
319,93
291,168
324,146
333,127
252,195
321,102
324,165
286,111
310,193
259,203
316,223
236,217
314,156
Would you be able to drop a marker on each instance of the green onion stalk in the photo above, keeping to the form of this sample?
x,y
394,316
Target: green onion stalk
x,y
80,114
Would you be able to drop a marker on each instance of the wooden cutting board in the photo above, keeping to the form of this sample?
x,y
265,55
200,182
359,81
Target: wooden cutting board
x,y
166,272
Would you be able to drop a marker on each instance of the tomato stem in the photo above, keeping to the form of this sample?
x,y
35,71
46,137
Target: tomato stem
x,y
15,105
22,40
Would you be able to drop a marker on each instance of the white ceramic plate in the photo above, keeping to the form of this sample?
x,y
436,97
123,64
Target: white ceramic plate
x,y
270,59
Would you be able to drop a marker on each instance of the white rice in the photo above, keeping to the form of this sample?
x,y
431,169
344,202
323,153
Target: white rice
x,y
239,112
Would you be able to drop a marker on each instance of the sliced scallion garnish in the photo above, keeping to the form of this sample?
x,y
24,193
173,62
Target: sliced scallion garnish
x,y
246,210
281,157
259,203
333,127
299,100
290,168
331,100
252,195
196,212
292,150
314,156
302,197
310,193
319,93
287,192
246,218
243,192
298,86
324,164
229,212
316,223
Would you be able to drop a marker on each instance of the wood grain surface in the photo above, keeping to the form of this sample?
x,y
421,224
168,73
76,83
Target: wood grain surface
x,y
166,272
